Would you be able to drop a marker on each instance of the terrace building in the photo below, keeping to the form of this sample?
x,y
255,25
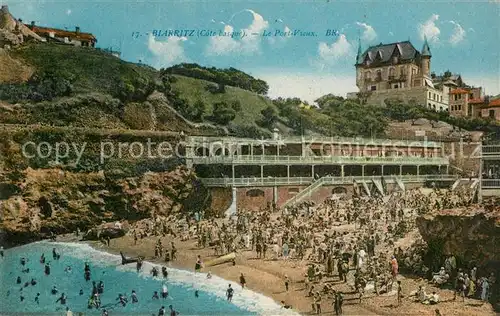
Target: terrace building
x,y
490,180
284,171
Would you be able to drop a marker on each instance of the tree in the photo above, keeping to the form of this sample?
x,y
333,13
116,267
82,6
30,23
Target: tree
x,y
195,111
270,115
236,105
223,113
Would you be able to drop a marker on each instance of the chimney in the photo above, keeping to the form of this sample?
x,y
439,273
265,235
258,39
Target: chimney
x,y
77,30
32,25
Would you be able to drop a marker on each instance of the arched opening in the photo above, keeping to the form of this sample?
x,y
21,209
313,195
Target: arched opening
x,y
221,152
202,152
255,193
339,190
391,73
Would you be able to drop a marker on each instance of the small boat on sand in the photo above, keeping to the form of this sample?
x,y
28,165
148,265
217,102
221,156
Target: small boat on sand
x,y
222,259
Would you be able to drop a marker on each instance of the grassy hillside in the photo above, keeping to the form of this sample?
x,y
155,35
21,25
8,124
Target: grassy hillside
x,y
89,70
252,104
83,87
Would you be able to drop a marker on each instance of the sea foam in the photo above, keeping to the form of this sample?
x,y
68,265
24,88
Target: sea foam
x,y
245,299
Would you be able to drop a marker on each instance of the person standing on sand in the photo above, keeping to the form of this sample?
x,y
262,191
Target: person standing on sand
x,y
173,252
400,293
287,282
317,300
242,281
197,266
229,293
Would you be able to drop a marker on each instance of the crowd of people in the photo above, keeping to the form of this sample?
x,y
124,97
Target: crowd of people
x,y
351,240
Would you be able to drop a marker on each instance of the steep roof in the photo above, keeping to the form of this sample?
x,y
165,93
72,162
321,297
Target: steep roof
x,y
476,101
458,91
62,33
426,51
494,103
405,50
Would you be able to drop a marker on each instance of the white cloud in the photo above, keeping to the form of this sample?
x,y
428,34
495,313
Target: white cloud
x,y
280,39
391,34
471,29
430,29
167,52
458,33
308,86
225,45
68,12
329,54
369,33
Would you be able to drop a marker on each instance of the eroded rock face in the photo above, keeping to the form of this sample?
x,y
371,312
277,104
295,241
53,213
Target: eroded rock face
x,y
472,234
52,200
111,230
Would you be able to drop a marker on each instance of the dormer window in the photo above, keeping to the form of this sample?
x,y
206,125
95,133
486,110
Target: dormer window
x,y
379,55
367,60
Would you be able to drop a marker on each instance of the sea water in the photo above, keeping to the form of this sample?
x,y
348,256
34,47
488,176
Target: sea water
x,y
118,279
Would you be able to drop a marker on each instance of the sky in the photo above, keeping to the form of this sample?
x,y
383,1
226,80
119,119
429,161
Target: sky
x,y
301,48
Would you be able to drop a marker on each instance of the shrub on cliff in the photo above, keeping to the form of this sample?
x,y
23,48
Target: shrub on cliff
x,y
223,113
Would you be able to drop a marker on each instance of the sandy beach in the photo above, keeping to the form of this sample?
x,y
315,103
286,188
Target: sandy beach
x,y
267,277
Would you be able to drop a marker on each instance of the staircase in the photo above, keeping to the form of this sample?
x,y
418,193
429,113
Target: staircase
x,y
455,185
378,186
474,184
304,193
367,189
231,210
400,183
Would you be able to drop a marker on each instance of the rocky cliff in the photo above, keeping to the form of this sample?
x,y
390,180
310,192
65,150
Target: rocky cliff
x,y
53,200
471,234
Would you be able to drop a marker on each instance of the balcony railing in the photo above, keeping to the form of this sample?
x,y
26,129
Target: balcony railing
x,y
491,150
490,183
199,140
277,181
366,160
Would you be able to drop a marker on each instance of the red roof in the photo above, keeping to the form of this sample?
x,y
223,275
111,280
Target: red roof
x,y
495,102
476,101
458,91
62,33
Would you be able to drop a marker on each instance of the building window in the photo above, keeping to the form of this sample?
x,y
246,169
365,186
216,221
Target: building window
x,y
391,73
373,88
460,97
434,96
429,94
368,75
456,97
492,113
379,75
429,105
440,98
471,96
